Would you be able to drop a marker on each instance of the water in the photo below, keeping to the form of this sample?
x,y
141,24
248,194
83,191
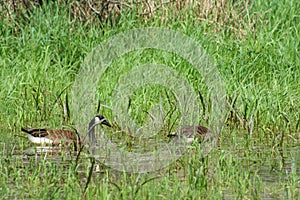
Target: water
x,y
275,168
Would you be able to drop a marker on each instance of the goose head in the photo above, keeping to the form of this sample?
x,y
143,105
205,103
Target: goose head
x,y
98,119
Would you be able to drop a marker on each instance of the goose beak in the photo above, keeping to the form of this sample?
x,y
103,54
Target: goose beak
x,y
105,123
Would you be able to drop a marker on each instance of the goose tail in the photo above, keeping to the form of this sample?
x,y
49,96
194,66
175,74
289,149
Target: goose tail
x,y
25,130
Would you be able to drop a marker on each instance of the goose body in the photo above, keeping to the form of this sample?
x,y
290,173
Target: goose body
x,y
44,136
191,133
55,137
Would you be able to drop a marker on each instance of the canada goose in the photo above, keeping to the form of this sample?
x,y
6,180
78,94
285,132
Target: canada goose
x,y
192,133
55,137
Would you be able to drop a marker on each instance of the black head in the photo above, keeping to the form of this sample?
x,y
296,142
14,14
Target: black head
x,y
98,119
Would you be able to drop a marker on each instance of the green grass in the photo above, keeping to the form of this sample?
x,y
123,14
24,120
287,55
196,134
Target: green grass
x,y
258,151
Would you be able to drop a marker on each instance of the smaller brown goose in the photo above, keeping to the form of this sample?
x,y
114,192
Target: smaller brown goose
x,y
55,137
192,133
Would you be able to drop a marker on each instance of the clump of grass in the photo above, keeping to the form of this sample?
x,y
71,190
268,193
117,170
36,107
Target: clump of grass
x,y
232,17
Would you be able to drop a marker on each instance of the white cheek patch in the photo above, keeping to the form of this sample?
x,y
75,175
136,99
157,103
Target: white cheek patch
x,y
39,140
190,140
97,120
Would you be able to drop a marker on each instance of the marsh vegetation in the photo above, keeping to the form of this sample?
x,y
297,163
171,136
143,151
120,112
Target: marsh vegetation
x,y
255,46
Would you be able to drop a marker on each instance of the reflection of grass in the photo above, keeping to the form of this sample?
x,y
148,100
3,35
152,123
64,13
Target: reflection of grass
x,y
261,73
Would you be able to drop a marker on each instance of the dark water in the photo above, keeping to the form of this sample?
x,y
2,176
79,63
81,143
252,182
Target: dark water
x,y
274,168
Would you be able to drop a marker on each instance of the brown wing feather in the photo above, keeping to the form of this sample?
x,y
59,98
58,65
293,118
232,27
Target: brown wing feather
x,y
59,136
201,130
197,131
36,132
